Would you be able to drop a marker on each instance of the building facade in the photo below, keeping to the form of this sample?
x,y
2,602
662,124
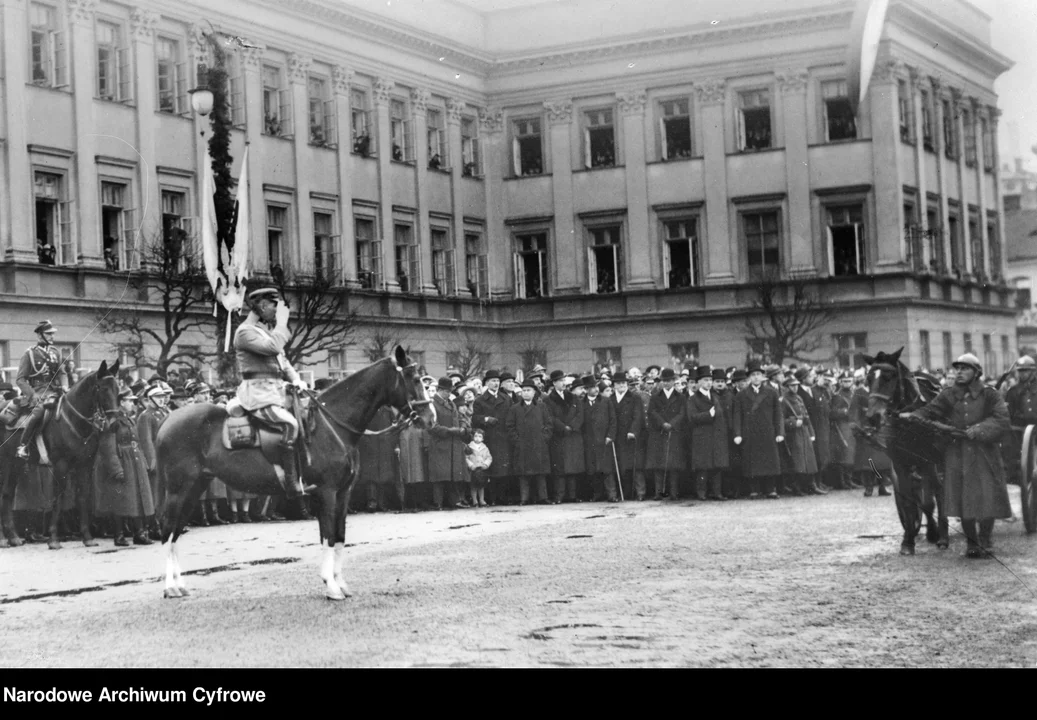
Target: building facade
x,y
580,190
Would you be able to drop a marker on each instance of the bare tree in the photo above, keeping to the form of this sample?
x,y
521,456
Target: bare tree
x,y
532,350
789,317
381,340
170,273
323,321
473,355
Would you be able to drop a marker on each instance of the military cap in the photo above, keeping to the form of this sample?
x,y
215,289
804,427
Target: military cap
x,y
44,326
126,394
270,293
968,360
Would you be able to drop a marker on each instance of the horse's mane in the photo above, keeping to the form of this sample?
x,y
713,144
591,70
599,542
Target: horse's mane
x,y
350,385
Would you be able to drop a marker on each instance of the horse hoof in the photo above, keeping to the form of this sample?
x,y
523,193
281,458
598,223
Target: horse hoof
x,y
345,590
89,542
53,545
334,592
17,542
171,593
907,549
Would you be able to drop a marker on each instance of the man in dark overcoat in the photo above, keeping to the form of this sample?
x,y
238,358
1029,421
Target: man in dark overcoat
x,y
490,414
740,486
379,463
799,442
728,482
148,422
599,434
843,440
666,456
1021,399
868,459
759,428
817,403
529,427
708,436
974,476
446,460
641,388
566,414
630,420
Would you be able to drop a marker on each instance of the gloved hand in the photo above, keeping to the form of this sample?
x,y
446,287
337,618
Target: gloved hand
x,y
631,437
738,440
779,438
282,313
712,412
667,427
608,441
301,384
972,432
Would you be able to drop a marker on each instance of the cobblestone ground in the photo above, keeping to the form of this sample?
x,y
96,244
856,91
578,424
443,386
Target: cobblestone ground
x,y
813,582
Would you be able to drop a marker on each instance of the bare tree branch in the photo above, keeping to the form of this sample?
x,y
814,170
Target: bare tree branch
x,y
323,322
473,355
789,317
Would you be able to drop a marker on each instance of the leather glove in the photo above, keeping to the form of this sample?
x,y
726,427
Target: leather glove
x,y
608,441
972,432
301,384
738,440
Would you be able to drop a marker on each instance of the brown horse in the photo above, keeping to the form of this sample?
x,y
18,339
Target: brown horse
x,y
191,453
70,438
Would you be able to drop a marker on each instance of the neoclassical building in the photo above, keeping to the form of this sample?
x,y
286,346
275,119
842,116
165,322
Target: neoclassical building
x,y
565,182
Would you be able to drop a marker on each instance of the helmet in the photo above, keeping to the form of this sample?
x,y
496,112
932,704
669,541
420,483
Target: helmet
x,y
969,360
1026,363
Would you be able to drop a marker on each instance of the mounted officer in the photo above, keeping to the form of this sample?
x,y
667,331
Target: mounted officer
x,y
42,380
259,343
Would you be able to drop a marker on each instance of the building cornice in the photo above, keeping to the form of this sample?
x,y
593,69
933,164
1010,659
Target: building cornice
x,y
919,20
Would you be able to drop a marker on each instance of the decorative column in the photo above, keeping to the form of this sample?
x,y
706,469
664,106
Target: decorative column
x,y
252,64
981,186
965,241
199,51
721,256
641,255
419,98
302,254
454,109
142,29
919,153
804,250
382,98
567,259
941,172
497,240
17,234
995,117
341,78
85,189
885,158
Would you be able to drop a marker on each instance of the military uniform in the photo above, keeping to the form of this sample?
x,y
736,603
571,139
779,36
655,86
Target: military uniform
x,y
1021,400
42,379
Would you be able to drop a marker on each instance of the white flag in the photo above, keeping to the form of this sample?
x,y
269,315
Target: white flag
x,y
210,238
237,268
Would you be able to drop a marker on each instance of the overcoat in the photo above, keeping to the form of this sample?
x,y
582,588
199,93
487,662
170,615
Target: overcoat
x,y
708,434
599,423
1021,400
758,421
660,454
630,419
122,477
490,414
529,427
865,454
378,452
843,440
973,475
734,452
817,402
446,461
147,430
565,411
642,439
414,455
799,448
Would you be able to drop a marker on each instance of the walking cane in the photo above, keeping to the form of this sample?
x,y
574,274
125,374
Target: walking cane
x,y
666,463
619,480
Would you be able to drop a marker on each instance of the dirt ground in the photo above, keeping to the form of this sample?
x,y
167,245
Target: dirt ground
x,y
800,582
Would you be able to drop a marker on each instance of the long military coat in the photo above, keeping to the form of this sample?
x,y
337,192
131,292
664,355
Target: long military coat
x,y
758,421
529,427
121,475
865,454
844,442
708,434
378,452
663,455
818,405
488,409
799,454
446,460
414,455
974,477
630,419
599,423
565,411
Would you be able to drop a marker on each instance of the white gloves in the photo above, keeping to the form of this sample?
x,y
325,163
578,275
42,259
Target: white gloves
x,y
282,313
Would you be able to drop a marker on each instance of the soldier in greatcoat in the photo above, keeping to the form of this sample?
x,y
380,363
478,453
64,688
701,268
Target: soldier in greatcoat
x,y
868,459
665,458
412,454
974,477
843,440
148,423
759,429
446,458
817,403
490,414
799,441
1021,400
530,430
566,415
599,434
708,436
630,418
122,476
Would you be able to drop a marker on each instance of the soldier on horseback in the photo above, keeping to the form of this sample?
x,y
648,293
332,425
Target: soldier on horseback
x,y
259,343
42,380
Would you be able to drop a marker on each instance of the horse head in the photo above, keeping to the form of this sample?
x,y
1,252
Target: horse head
x,y
408,395
884,385
106,389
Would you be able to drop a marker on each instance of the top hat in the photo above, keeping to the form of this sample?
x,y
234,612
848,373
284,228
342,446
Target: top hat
x,y
45,326
557,375
445,383
270,293
667,374
620,377
754,366
703,372
587,381
491,375
719,374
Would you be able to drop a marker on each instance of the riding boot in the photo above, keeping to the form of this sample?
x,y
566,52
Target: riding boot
x,y
216,519
986,527
28,434
293,486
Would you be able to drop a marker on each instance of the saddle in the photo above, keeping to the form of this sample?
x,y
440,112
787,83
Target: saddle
x,y
243,430
14,417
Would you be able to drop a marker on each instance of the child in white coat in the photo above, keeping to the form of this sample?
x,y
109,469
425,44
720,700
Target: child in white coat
x,y
479,460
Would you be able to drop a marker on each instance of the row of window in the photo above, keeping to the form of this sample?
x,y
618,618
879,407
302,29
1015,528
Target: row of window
x,y
926,245
953,145
991,362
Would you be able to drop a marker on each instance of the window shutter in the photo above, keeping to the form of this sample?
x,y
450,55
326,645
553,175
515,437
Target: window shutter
x,y
586,147
330,126
516,155
284,98
59,57
68,253
237,104
182,105
518,277
543,274
131,256
376,264
664,152
124,75
740,114
476,157
484,281
334,255
831,251
858,230
408,141
615,266
667,264
451,279
414,267
592,271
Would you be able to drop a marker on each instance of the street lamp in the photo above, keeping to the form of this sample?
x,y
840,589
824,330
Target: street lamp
x,y
201,100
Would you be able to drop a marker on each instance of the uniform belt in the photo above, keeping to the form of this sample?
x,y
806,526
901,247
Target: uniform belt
x,y
260,376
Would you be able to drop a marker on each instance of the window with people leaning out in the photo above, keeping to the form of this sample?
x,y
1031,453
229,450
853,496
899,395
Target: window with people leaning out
x,y
531,265
840,123
846,250
603,259
754,120
599,139
681,252
526,148
675,129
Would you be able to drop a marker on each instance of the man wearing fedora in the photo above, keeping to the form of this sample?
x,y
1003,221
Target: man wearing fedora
x,y
490,414
42,379
708,435
630,420
447,468
759,429
665,458
974,476
529,427
566,416
259,343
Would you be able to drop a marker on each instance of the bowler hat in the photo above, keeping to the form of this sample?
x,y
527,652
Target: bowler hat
x,y
792,380
44,326
620,377
703,371
667,374
528,383
506,376
801,373
774,372
557,375
719,374
754,367
445,383
738,375
587,381
491,375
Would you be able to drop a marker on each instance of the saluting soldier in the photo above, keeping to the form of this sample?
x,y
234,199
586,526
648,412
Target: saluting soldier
x,y
42,380
599,434
566,417
665,458
490,414
630,419
759,428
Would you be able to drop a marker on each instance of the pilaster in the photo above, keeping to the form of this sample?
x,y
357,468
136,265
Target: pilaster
x,y
382,97
301,253
567,249
964,242
142,30
981,185
801,251
641,255
721,256
886,148
455,107
85,192
252,74
497,240
941,171
995,117
17,236
419,98
915,78
341,77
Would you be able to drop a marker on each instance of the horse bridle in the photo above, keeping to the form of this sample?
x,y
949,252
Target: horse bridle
x,y
99,420
406,419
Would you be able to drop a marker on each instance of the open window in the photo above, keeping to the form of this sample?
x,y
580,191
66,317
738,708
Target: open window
x,y
846,249
325,247
674,129
681,252
526,147
401,132
408,265
368,254
443,261
603,259
840,123
754,120
362,124
599,139
531,265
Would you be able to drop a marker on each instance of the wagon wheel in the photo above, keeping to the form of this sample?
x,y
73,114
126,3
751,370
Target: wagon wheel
x,y
1028,479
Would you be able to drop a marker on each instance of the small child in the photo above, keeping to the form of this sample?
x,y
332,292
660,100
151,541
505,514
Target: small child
x,y
479,460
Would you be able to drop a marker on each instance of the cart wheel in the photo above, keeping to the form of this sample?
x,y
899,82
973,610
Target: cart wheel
x,y
1028,478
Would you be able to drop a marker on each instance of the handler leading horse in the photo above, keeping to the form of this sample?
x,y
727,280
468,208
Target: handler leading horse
x,y
191,453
